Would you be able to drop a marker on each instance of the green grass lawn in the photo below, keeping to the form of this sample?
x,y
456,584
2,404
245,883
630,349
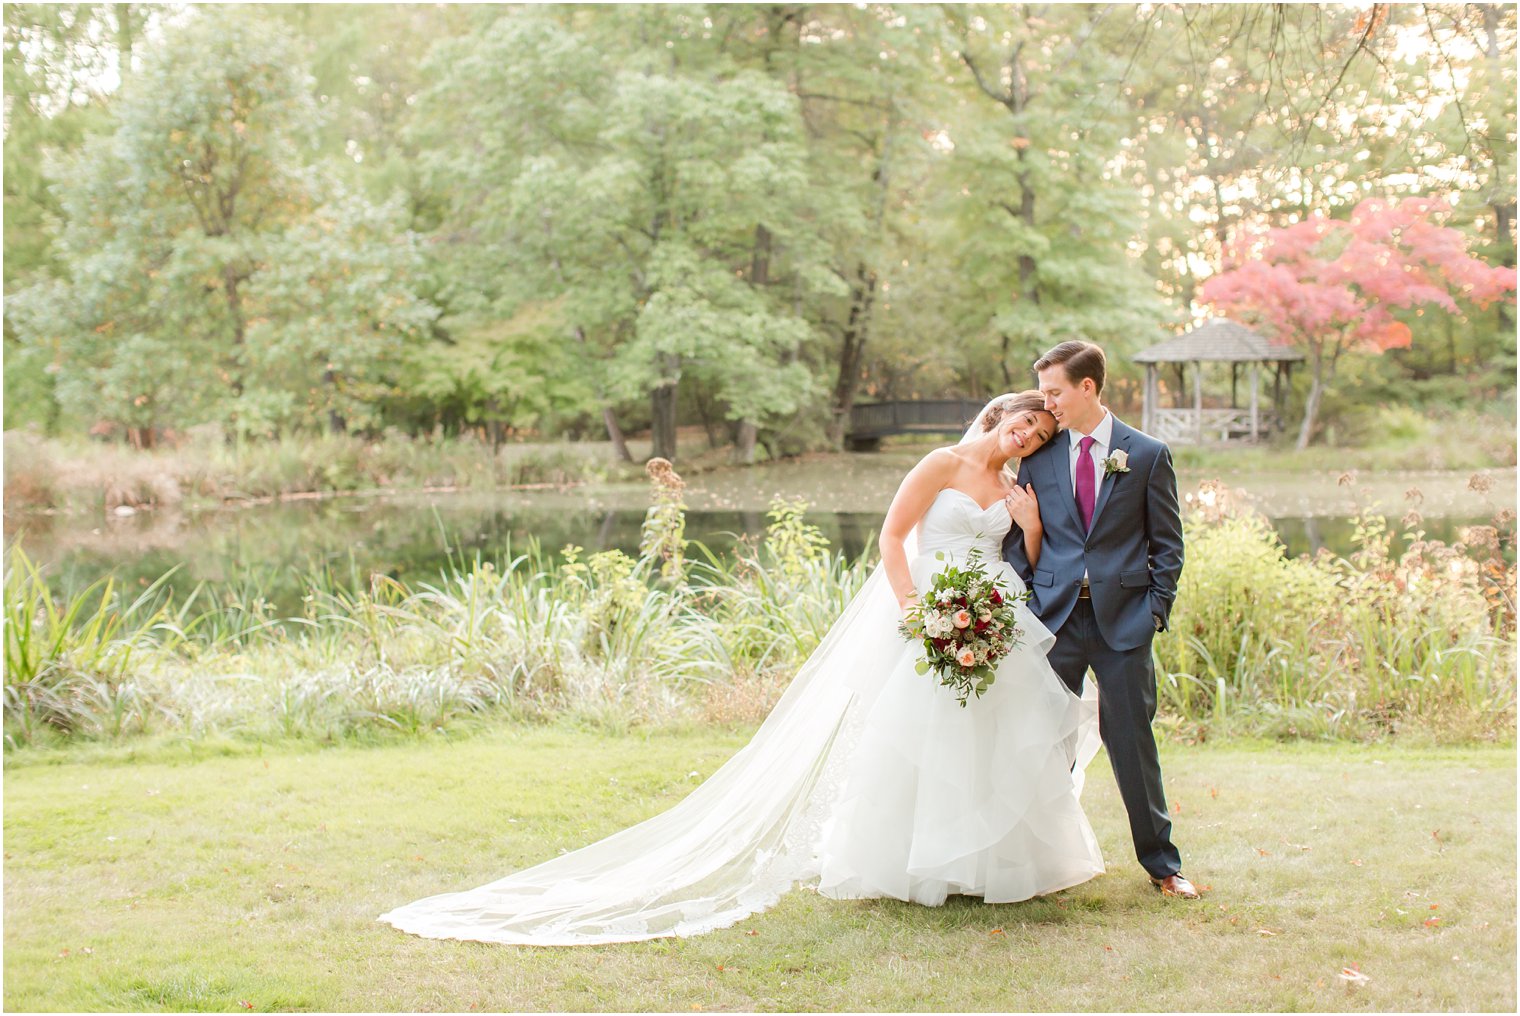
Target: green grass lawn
x,y
227,882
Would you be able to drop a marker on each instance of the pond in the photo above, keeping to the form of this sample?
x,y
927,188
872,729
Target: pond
x,y
413,537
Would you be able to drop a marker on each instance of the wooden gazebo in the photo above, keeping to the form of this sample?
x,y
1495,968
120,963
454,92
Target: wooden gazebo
x,y
1216,341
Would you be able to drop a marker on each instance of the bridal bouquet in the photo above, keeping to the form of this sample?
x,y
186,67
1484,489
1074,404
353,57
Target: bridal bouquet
x,y
966,624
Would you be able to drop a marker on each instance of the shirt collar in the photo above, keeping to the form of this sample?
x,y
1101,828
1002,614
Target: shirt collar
x,y
1102,434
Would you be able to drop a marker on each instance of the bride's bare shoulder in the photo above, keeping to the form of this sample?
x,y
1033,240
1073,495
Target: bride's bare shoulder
x,y
934,470
941,459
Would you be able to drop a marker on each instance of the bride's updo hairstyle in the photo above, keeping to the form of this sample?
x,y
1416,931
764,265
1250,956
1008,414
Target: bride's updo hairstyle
x,y
1011,405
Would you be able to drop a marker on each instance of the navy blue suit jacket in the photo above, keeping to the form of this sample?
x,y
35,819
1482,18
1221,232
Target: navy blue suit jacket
x,y
1132,554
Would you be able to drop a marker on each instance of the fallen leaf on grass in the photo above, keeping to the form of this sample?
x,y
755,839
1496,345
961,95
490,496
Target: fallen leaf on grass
x,y
1265,932
1435,906
995,931
1357,862
1432,922
245,1003
1353,976
1263,853
1214,792
752,933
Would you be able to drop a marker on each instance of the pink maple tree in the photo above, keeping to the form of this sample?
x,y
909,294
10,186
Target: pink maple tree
x,y
1330,286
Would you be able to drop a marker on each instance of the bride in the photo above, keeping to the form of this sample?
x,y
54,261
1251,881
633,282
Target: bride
x,y
867,779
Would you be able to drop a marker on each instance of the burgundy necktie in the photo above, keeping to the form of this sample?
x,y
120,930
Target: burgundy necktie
x,y
1085,494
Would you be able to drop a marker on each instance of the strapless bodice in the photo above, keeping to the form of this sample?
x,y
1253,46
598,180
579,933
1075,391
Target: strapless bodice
x,y
956,525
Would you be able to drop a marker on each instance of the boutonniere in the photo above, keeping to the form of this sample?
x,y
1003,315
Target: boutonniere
x,y
1117,462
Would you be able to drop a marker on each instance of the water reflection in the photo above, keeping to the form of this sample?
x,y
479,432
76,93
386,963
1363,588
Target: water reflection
x,y
274,548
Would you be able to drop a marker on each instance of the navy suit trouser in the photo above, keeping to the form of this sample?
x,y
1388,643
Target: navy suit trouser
x,y
1126,707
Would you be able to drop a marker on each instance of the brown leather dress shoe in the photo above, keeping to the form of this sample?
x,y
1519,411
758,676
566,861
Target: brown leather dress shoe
x,y
1175,885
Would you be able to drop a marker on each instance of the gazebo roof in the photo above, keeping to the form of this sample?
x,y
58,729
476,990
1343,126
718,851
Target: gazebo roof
x,y
1218,340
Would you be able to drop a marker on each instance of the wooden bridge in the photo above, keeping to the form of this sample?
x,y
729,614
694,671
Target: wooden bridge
x,y
872,421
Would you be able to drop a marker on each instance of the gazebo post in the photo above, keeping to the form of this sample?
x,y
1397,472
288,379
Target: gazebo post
x,y
1217,341
1147,414
1255,412
1198,400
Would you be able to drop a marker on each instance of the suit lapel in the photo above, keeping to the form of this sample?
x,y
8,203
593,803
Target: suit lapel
x,y
1121,437
1060,466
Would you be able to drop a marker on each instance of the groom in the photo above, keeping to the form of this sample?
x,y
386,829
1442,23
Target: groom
x,y
1106,578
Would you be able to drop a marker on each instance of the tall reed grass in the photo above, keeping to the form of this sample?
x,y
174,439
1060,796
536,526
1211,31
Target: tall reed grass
x,y
1405,634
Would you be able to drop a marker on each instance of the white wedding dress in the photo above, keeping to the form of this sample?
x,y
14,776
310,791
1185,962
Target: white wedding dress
x,y
867,780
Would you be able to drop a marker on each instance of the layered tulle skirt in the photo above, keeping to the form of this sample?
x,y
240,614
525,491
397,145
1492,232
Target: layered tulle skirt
x,y
980,799
866,779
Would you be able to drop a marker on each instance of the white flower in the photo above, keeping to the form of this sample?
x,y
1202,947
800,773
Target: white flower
x,y
966,658
1117,462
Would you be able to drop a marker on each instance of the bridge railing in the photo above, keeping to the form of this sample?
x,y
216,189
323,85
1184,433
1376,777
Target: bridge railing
x,y
872,421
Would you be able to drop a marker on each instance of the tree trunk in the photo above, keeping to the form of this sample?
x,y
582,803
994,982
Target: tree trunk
x,y
615,434
336,424
851,352
704,404
493,423
662,427
1018,95
759,278
124,40
1504,211
862,296
230,282
744,447
1311,405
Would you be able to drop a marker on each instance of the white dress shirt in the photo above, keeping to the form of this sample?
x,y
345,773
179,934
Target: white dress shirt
x,y
1103,436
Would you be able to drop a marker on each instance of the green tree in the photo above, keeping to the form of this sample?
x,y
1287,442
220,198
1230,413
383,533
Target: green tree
x,y
211,268
1043,224
649,197
61,60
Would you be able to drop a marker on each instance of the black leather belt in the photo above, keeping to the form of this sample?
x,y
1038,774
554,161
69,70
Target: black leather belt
x,y
1085,592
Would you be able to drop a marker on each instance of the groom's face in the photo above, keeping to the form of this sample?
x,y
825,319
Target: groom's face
x,y
1073,404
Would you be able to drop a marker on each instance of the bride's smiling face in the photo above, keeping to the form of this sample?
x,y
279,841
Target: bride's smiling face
x,y
1025,433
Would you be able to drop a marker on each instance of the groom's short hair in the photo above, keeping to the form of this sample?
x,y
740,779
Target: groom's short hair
x,y
1079,360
